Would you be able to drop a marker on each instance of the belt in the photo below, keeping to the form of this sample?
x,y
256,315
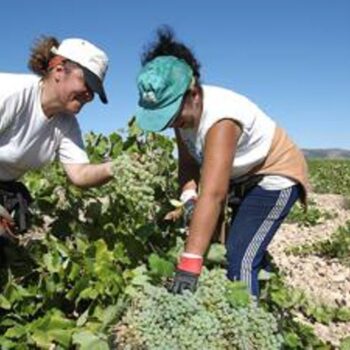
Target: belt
x,y
239,188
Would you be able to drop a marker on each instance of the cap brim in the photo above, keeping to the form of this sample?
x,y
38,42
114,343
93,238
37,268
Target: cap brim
x,y
95,84
157,119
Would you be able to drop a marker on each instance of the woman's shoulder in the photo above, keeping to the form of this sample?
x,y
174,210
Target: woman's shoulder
x,y
213,92
11,83
19,77
223,102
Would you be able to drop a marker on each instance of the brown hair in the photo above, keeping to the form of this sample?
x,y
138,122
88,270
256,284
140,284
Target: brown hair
x,y
41,55
167,45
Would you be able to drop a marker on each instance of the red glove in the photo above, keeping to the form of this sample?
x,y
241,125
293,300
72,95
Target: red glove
x,y
187,273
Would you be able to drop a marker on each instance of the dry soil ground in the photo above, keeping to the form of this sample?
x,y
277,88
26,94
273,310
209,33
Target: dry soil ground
x,y
324,281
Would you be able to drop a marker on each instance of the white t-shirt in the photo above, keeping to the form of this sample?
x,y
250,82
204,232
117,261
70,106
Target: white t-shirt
x,y
28,139
256,138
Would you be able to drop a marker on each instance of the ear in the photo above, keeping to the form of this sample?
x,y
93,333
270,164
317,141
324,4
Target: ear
x,y
57,72
195,93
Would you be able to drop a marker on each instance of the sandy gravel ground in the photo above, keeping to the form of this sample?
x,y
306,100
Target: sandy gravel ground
x,y
324,281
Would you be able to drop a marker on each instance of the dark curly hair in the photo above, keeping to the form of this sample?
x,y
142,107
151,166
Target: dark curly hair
x,y
41,55
167,45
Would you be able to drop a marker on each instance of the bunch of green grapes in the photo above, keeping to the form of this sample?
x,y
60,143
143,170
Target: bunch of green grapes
x,y
159,320
244,324
135,181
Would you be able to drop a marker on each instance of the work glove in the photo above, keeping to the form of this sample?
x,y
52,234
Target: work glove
x,y
189,199
185,207
188,209
7,224
187,273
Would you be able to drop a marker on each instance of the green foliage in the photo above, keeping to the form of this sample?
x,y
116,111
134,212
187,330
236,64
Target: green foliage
x,y
220,315
65,285
330,176
285,302
70,279
312,217
345,344
337,246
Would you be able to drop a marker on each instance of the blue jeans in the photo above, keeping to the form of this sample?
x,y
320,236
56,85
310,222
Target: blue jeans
x,y
253,226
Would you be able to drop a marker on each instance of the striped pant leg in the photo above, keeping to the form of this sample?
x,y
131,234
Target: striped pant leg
x,y
252,229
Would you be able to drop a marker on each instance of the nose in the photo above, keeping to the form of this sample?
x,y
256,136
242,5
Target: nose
x,y
176,123
88,94
175,120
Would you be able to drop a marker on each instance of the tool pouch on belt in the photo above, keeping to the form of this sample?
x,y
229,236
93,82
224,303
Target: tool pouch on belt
x,y
239,188
15,197
237,191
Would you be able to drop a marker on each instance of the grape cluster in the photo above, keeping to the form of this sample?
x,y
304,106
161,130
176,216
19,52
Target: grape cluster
x,y
135,181
159,320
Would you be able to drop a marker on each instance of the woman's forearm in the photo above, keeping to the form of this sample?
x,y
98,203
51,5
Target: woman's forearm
x,y
89,175
203,223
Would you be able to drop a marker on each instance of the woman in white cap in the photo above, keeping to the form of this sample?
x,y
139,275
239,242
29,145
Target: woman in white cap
x,y
37,117
228,147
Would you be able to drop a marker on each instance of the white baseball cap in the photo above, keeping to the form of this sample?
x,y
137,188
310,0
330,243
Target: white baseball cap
x,y
92,59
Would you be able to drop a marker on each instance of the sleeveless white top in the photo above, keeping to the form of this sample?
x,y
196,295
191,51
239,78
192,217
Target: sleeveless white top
x,y
255,140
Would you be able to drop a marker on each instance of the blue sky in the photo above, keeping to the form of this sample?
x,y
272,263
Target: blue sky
x,y
291,57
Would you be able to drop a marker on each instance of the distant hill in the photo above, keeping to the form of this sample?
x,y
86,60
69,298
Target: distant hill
x,y
329,153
